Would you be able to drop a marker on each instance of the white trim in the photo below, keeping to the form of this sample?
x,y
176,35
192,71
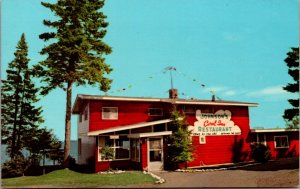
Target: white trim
x,y
214,103
81,97
162,153
125,127
91,97
287,139
140,135
272,130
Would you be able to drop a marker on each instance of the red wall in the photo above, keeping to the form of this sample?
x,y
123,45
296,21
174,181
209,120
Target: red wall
x,y
128,113
293,139
223,149
144,154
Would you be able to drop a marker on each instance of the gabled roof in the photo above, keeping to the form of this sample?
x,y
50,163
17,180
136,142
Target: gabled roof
x,y
81,98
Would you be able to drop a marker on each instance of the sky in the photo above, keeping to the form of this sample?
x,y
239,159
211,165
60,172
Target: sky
x,y
231,47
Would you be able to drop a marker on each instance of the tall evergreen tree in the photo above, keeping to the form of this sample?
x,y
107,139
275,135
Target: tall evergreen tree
x,y
75,52
180,149
19,114
292,62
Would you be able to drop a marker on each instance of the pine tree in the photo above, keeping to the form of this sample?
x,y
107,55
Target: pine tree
x,y
292,62
19,114
75,52
180,149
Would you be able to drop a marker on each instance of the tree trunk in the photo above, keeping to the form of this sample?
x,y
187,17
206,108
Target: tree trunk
x,y
44,171
67,145
14,133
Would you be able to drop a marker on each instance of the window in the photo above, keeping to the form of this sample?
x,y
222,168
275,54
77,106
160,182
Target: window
x,y
189,109
155,112
85,114
261,138
120,147
80,117
281,141
79,146
110,113
135,150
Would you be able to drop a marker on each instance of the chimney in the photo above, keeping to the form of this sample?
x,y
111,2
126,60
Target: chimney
x,y
213,98
173,93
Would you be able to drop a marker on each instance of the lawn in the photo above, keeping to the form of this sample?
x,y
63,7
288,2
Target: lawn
x,y
67,178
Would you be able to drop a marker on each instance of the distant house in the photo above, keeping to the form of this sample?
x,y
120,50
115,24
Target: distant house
x,y
137,130
281,142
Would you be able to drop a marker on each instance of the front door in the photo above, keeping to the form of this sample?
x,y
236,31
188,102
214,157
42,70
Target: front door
x,y
155,154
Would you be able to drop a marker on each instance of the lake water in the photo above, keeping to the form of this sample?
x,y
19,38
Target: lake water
x,y
74,153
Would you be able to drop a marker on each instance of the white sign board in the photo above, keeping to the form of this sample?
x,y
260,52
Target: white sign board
x,y
214,124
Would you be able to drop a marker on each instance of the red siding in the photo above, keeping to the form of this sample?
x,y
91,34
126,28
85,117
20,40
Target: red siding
x,y
292,151
128,113
144,154
223,149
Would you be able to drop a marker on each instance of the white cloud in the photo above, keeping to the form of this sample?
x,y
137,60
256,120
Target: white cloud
x,y
274,90
230,93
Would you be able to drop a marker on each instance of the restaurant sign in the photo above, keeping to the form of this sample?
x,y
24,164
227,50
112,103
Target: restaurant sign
x,y
214,124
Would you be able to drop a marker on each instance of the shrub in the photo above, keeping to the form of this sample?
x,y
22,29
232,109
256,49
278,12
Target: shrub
x,y
260,152
15,167
107,153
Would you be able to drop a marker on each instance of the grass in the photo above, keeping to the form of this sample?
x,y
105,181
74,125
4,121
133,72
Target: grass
x,y
67,178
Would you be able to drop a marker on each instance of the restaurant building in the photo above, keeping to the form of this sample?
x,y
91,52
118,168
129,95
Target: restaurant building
x,y
137,130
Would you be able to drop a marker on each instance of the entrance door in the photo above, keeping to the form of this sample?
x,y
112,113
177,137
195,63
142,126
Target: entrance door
x,y
155,154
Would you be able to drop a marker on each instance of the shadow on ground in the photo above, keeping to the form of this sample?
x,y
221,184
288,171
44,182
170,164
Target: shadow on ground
x,y
280,164
273,165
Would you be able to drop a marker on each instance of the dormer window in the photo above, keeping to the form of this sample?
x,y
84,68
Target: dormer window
x,y
109,113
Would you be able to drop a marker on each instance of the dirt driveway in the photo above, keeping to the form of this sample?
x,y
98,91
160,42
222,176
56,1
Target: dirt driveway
x,y
280,173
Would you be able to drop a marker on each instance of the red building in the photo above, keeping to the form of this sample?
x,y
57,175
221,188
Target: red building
x,y
136,130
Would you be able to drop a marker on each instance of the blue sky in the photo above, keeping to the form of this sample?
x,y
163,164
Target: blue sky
x,y
235,48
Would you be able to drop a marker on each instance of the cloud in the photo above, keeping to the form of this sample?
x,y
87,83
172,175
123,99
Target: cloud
x,y
230,93
273,90
221,90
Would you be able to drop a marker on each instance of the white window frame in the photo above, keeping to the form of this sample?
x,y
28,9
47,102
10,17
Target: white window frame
x,y
111,117
114,147
283,136
161,110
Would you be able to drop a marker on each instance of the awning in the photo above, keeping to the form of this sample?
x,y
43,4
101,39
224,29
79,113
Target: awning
x,y
152,134
127,127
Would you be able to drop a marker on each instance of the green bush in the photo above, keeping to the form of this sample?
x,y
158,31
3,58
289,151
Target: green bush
x,y
15,167
260,152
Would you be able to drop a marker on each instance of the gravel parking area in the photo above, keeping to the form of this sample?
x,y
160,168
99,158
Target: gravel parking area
x,y
279,173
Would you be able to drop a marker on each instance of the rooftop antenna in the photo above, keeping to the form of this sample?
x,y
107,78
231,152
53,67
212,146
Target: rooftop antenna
x,y
170,68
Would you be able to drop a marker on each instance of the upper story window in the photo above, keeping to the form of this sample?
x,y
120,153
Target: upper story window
x,y
86,114
80,117
109,113
281,141
155,112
